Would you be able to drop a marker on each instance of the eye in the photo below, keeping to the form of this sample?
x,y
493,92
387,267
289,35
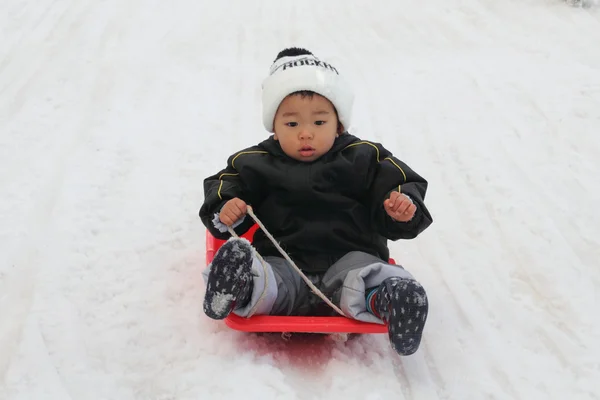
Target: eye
x,y
291,124
320,122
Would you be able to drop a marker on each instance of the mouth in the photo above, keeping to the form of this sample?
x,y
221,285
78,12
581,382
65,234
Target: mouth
x,y
307,151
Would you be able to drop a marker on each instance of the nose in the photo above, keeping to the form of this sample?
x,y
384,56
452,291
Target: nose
x,y
305,134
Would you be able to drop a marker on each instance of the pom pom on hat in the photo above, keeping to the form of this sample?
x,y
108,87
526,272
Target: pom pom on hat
x,y
296,69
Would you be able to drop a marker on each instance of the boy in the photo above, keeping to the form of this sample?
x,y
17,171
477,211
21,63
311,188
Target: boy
x,y
331,201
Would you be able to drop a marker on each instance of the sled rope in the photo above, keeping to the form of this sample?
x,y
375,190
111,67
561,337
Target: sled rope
x,y
288,259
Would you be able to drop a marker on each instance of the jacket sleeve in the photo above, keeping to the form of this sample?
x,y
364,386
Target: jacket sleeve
x,y
218,189
391,174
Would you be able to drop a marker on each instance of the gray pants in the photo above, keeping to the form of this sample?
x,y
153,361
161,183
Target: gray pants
x,y
279,289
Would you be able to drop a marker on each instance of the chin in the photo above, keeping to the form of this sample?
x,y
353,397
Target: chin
x,y
308,159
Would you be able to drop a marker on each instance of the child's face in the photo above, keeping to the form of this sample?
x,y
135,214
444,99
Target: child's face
x,y
305,127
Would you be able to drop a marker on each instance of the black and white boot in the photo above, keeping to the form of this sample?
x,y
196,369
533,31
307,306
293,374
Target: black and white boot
x,y
402,304
229,283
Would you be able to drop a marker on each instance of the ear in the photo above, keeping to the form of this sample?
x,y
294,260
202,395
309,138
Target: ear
x,y
275,136
340,129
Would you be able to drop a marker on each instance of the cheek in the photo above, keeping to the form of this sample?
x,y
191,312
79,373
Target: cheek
x,y
286,141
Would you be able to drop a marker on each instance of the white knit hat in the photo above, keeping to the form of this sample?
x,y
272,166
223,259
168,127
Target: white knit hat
x,y
298,69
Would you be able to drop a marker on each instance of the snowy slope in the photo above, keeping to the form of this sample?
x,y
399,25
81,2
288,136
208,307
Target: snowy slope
x,y
113,112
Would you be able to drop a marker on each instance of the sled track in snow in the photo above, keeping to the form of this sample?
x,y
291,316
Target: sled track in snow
x,y
17,286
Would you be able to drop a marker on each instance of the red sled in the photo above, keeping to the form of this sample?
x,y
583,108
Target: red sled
x,y
290,324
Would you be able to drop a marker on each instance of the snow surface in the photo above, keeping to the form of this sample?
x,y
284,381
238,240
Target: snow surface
x,y
113,112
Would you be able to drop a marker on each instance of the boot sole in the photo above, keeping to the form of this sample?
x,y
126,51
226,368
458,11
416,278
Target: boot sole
x,y
230,271
408,314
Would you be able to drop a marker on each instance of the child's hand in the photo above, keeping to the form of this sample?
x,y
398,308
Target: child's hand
x,y
400,207
233,210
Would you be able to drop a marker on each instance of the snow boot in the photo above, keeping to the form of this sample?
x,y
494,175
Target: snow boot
x,y
402,304
229,283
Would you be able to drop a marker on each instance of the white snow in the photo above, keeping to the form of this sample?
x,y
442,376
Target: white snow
x,y
220,301
112,113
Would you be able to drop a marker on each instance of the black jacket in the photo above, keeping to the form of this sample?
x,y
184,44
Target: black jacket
x,y
318,211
